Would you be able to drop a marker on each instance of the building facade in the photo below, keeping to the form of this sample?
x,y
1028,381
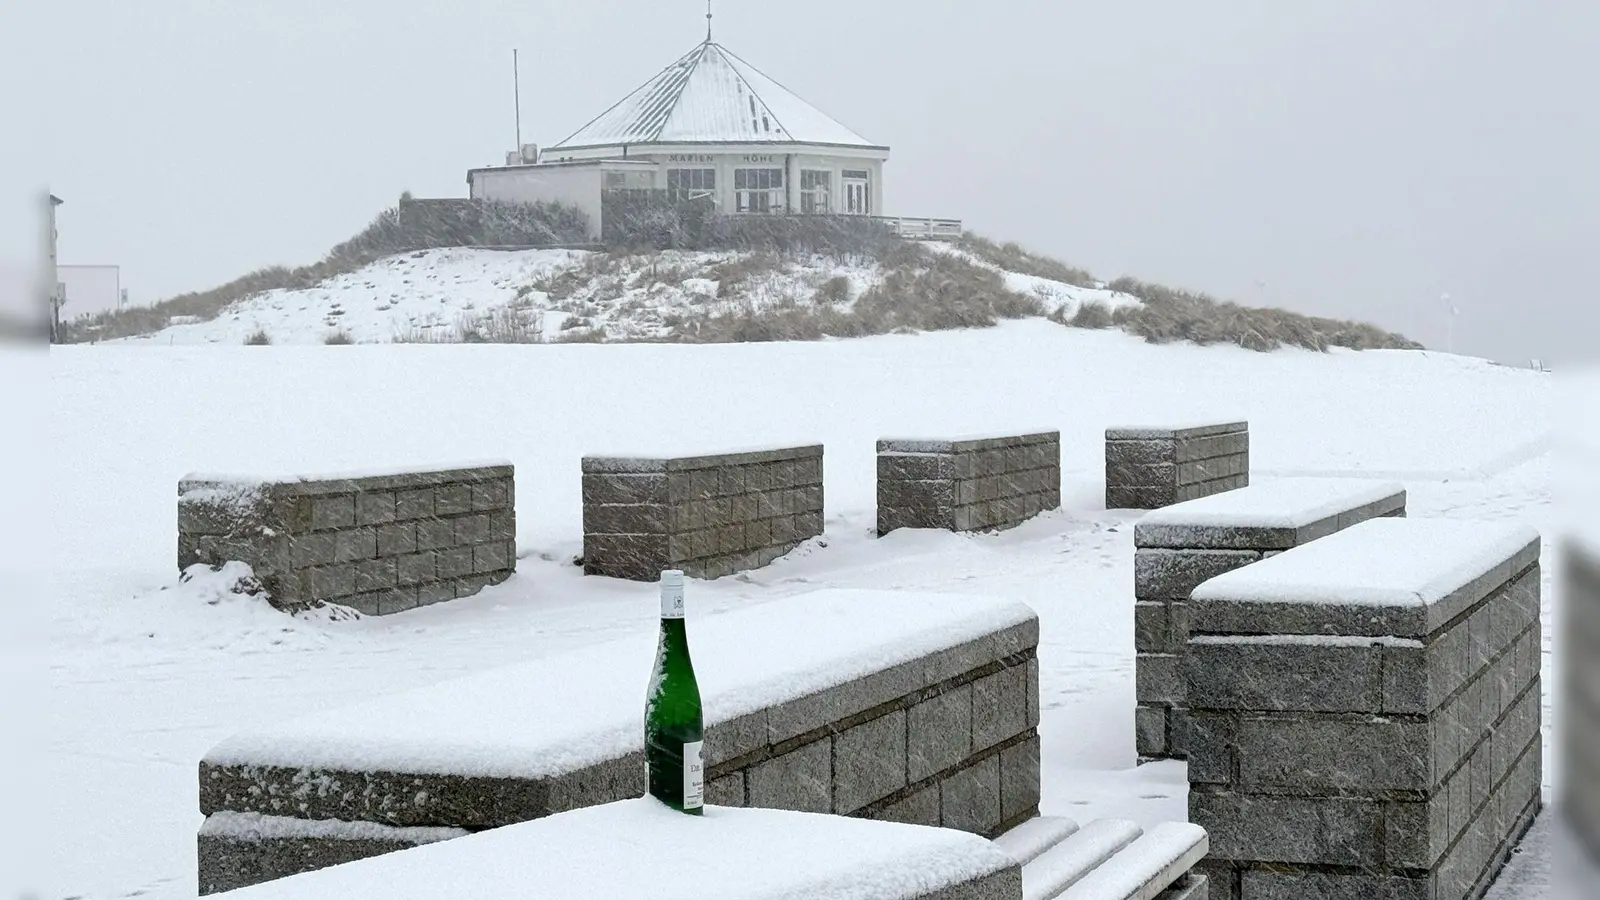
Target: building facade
x,y
708,126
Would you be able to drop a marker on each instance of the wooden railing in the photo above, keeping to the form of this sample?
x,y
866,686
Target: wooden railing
x,y
923,229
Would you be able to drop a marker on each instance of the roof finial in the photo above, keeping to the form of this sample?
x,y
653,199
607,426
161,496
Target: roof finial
x,y
708,21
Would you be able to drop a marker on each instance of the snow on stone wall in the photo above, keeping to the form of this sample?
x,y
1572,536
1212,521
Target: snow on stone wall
x,y
1181,546
1364,712
914,708
379,544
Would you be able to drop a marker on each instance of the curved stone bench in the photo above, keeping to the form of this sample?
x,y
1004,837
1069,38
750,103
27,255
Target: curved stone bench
x,y
917,708
1179,547
1365,712
638,848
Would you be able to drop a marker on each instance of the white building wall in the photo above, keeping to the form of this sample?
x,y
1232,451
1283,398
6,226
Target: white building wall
x,y
577,186
581,185
725,163
89,290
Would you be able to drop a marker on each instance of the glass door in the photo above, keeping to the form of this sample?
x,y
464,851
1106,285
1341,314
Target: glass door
x,y
857,193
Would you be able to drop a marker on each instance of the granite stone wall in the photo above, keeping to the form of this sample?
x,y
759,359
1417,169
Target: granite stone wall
x,y
947,739
1580,716
380,544
709,516
1189,543
958,751
1148,468
974,484
1349,740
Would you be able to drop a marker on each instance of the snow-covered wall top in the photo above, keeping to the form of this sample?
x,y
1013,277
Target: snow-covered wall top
x,y
1192,428
969,442
564,713
204,480
644,462
1399,577
1280,503
638,848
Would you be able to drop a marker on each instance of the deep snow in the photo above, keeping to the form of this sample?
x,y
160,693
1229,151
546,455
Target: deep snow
x,y
147,675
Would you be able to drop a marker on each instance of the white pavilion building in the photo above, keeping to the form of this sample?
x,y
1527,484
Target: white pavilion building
x,y
709,125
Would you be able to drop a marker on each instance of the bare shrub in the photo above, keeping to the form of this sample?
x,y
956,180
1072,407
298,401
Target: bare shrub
x,y
594,335
835,290
919,291
653,219
1013,258
258,338
736,274
655,274
936,292
339,337
1173,315
1087,315
504,325
565,282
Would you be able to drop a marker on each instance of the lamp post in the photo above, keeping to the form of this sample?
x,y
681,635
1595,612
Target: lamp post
x,y
53,284
1451,311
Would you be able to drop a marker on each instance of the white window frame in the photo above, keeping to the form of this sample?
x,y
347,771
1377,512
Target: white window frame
x,y
758,190
702,182
816,191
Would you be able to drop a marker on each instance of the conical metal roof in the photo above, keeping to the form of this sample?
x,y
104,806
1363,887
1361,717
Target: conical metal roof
x,y
711,96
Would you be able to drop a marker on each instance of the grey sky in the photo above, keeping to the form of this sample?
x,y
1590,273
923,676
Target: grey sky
x,y
1360,157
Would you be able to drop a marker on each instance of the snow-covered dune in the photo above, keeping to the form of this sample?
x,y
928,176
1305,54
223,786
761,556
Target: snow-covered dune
x,y
429,295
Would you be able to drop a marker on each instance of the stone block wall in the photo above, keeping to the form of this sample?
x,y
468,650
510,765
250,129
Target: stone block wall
x,y
967,485
381,544
946,739
1580,714
1148,468
1358,728
961,752
709,516
1181,546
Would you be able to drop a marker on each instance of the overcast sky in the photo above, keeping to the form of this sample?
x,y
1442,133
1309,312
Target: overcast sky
x,y
1354,158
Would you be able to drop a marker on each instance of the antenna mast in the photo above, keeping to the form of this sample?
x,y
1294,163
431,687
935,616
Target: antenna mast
x,y
516,90
708,21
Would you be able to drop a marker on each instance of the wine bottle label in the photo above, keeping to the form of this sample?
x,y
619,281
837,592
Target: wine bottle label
x,y
694,776
672,601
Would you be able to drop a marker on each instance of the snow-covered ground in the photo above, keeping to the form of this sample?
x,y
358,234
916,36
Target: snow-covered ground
x,y
429,294
146,675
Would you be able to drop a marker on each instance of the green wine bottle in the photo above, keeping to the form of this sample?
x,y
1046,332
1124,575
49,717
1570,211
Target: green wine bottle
x,y
674,730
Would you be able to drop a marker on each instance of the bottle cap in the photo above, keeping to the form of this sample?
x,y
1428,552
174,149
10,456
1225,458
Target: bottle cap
x,y
672,594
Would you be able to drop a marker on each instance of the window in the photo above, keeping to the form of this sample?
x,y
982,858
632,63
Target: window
x,y
758,190
816,191
689,184
629,180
